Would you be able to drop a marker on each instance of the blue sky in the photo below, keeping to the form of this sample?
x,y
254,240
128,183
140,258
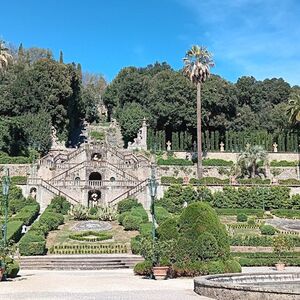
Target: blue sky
x,y
247,37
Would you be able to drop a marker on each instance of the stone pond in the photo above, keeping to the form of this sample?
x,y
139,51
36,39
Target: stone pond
x,y
259,286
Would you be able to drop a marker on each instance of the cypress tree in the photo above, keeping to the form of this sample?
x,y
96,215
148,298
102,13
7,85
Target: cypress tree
x,y
61,57
207,141
212,141
226,141
79,70
217,140
21,54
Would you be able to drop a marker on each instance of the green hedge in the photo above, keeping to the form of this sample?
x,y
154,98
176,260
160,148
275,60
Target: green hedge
x,y
27,214
286,213
283,163
171,161
258,262
217,162
19,180
236,211
290,181
89,249
14,229
32,243
254,181
171,180
209,181
256,241
12,267
253,255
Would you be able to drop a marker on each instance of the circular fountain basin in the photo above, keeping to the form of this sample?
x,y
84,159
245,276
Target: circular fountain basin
x,y
256,286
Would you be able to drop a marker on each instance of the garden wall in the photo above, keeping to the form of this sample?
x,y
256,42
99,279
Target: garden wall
x,y
16,169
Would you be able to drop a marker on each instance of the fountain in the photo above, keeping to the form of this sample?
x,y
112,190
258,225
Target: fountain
x,y
256,286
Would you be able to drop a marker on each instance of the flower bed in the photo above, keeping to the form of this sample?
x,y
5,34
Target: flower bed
x,y
90,236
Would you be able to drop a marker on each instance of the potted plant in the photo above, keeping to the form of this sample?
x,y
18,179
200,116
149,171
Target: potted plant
x,y
161,262
281,245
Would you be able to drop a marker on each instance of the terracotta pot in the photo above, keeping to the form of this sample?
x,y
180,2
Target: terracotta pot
x,y
160,273
2,270
280,266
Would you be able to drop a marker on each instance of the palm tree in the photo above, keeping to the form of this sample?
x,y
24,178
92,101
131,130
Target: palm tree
x,y
197,63
5,57
293,109
250,160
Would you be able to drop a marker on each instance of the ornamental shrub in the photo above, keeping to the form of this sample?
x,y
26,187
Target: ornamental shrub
x,y
59,204
171,180
32,244
241,218
267,230
135,244
207,246
143,268
140,212
131,222
51,220
12,267
168,230
145,229
232,266
127,205
216,267
198,218
27,214
122,217
161,214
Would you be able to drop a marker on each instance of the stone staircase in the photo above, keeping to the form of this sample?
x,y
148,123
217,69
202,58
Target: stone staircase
x,y
79,262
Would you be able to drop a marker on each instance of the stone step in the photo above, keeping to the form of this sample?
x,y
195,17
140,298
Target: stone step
x,y
79,262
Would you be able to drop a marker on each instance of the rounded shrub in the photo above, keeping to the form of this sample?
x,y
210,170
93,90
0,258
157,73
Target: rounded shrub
x,y
140,212
207,246
168,230
143,268
216,267
200,217
122,217
232,266
267,230
132,222
12,267
52,220
135,244
241,218
127,205
145,229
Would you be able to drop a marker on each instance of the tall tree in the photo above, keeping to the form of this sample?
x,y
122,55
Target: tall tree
x,y
293,109
61,57
5,57
197,63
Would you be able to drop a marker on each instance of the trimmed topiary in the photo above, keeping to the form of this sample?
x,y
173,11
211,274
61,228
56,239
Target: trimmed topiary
x,y
216,267
32,244
168,230
143,268
241,218
207,246
127,205
12,267
161,214
200,217
232,266
132,222
267,230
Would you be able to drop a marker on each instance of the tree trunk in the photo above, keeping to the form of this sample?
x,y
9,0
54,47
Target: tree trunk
x,y
199,138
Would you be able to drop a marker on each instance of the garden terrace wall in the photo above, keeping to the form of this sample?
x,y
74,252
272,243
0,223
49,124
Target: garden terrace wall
x,y
16,169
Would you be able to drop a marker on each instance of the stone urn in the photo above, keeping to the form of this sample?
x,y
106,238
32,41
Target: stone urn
x,y
280,266
160,273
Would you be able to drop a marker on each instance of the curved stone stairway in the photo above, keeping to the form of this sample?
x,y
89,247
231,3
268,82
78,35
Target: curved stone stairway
x,y
79,262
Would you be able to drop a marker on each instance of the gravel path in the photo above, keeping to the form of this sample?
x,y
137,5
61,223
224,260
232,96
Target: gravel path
x,y
104,284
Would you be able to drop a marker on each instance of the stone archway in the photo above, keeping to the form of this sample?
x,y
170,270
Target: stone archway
x,y
33,192
95,176
94,198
